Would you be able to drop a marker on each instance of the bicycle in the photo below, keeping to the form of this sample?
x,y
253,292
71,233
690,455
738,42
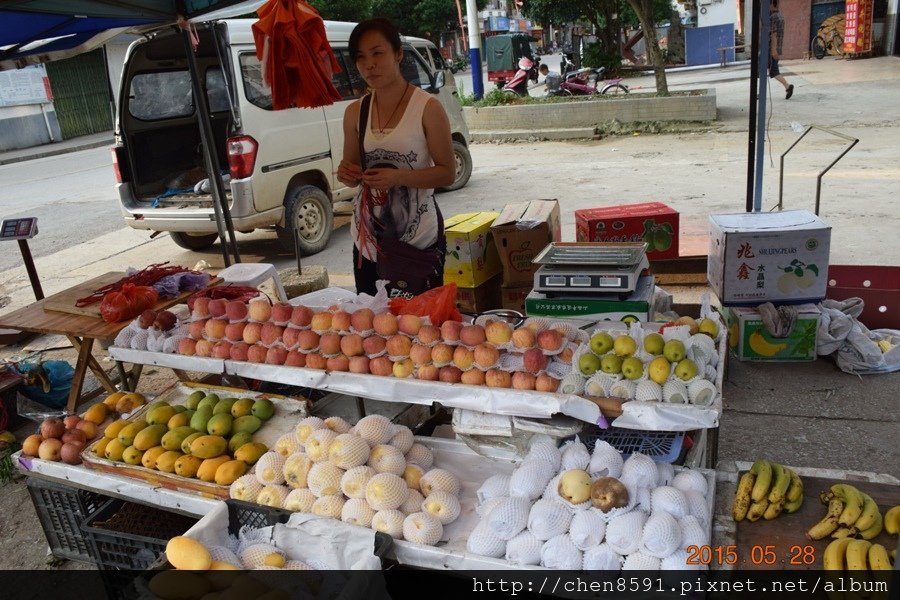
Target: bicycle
x,y
830,40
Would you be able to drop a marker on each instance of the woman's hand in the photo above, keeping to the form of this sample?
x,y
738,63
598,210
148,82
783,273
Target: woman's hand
x,y
382,179
350,174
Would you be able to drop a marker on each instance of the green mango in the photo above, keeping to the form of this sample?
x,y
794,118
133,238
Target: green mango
x,y
194,399
263,409
174,438
219,424
239,439
201,416
249,424
224,406
186,443
210,400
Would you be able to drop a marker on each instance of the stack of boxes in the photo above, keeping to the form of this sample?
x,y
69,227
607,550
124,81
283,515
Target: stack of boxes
x,y
472,262
769,257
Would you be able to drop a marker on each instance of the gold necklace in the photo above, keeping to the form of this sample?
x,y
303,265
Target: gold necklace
x,y
382,128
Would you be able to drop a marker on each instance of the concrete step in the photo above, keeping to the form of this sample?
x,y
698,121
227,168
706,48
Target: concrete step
x,y
534,134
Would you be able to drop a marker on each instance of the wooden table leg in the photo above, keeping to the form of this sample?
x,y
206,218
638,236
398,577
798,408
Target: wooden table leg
x,y
81,367
182,375
124,378
98,371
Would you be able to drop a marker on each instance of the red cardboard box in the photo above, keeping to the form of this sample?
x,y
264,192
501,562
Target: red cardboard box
x,y
651,222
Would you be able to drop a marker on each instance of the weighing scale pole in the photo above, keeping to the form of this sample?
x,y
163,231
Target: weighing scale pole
x,y
23,229
32,272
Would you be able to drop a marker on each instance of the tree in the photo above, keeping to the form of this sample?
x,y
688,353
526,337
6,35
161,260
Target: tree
x,y
644,11
342,10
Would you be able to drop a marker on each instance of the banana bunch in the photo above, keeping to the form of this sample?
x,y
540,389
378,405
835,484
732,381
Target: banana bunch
x,y
850,514
767,490
855,555
892,521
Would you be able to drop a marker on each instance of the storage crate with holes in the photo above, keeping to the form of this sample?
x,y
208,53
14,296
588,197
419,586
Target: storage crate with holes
x,y
877,286
61,510
661,446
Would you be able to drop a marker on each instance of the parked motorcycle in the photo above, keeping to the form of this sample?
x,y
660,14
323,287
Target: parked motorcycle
x,y
459,63
528,70
587,81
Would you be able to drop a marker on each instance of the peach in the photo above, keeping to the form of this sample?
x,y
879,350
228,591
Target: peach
x,y
463,358
337,363
498,379
402,368
385,323
282,312
70,453
203,348
196,328
217,307
301,316
295,359
270,333
398,345
314,360
381,366
523,381
260,310
51,427
321,321
340,321
450,331
428,373
361,320
473,377
252,333
374,345
187,346
450,374
472,335
442,354
276,355
486,356
235,331
201,308
498,332
89,429
420,355
352,345
550,340
566,355
257,353
236,310
308,339
535,360
221,350
290,336
71,421
523,338
239,351
215,328
32,444
50,449
429,334
545,383
359,364
330,343
409,324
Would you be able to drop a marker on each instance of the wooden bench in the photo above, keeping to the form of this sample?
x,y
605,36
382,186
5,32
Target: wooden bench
x,y
722,53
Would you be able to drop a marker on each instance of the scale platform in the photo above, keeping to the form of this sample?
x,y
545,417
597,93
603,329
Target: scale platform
x,y
590,268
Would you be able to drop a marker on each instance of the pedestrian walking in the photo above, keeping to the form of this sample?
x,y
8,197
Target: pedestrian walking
x,y
776,37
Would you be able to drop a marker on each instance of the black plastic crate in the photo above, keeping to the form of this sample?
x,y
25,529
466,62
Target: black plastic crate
x,y
132,536
61,510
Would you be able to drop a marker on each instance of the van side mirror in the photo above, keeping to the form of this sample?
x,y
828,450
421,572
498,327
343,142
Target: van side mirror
x,y
439,80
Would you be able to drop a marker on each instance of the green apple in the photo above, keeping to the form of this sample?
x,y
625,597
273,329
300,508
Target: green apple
x,y
654,343
601,343
709,327
588,364
674,350
658,370
624,345
632,368
610,363
686,369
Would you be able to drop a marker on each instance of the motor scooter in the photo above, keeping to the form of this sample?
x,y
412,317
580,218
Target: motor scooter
x,y
528,70
586,81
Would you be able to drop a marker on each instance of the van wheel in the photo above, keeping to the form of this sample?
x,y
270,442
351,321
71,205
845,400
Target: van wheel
x,y
463,167
308,210
193,241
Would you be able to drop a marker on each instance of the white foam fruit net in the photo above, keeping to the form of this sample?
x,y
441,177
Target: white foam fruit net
x,y
669,499
403,440
606,461
420,455
270,468
439,480
697,506
306,426
375,429
318,443
348,451
640,470
529,479
337,425
547,453
422,528
357,512
299,500
353,482
484,542
272,495
483,509
548,519
328,506
386,491
495,486
296,470
560,553
575,455
693,534
387,459
442,505
324,479
691,480
255,556
524,549
389,522
413,502
622,533
509,517
602,558
640,561
661,536
587,529
245,488
648,390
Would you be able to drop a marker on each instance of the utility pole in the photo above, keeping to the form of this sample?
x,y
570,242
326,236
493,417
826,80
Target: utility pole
x,y
475,49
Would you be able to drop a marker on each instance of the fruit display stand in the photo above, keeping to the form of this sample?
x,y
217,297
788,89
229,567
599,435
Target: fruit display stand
x,y
782,543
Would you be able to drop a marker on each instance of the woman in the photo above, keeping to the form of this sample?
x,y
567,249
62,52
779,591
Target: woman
x,y
397,227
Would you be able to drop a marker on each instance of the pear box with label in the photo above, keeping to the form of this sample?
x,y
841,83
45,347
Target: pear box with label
x,y
521,231
779,257
471,256
749,340
595,307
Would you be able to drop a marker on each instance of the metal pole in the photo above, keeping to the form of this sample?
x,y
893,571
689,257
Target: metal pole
x,y
462,28
31,270
754,77
765,52
475,49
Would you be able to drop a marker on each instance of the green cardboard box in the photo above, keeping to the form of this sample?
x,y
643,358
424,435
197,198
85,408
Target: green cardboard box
x,y
749,340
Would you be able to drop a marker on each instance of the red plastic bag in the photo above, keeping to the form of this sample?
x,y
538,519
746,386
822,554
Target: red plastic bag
x,y
437,303
127,303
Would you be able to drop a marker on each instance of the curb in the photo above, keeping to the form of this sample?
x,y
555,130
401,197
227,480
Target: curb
x,y
54,152
540,134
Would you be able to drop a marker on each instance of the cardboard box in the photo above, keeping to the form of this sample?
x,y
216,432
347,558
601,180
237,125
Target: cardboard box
x,y
521,231
471,255
749,340
779,257
651,222
481,298
513,297
598,307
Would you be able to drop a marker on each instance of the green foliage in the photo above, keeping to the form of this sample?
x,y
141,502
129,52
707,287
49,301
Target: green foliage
x,y
551,11
342,10
596,56
662,11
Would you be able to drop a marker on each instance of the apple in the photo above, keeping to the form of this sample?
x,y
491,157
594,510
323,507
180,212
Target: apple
x,y
337,363
187,346
239,350
221,349
236,310
601,343
374,345
257,353
546,383
359,364
385,324
50,449
567,354
51,427
624,345
659,369
314,360
498,379
260,310
381,365
632,368
71,421
270,333
588,364
196,328
420,355
523,381
442,354
308,339
450,374
402,368
147,318
523,338
486,356
674,351
321,321
550,340
409,324
463,358
290,336
472,335
398,345
282,312
429,335
252,333
330,343
203,348
654,344
535,360
276,355
340,321
301,316
89,429
450,330
235,331
215,328
31,445
201,308
296,358
472,377
686,369
498,332
74,436
352,345
611,364
429,373
217,307
361,319
70,453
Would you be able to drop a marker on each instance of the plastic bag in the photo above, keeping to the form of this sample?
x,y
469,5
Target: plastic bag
x,y
437,303
127,303
59,375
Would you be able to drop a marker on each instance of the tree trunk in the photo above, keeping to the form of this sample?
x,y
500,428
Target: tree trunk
x,y
644,11
676,40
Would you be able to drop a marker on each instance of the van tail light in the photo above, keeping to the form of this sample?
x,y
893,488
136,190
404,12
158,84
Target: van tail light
x,y
119,164
241,156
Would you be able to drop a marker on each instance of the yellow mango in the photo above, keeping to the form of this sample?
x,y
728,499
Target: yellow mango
x,y
207,470
181,419
209,446
160,415
112,430
250,453
96,414
166,461
113,399
151,455
100,447
186,444
172,440
187,465
114,449
242,407
149,436
229,471
127,434
132,456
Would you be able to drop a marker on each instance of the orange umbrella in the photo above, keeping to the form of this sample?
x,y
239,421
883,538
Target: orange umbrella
x,y
296,58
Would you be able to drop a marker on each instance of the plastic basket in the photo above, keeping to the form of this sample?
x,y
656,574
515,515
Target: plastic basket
x,y
61,511
132,536
662,446
8,470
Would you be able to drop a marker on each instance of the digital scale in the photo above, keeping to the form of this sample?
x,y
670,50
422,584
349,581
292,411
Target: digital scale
x,y
590,268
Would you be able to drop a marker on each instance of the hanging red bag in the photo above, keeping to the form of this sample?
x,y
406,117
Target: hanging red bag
x,y
127,303
438,303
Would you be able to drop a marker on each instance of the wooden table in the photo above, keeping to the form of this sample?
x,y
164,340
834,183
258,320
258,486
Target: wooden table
x,y
81,331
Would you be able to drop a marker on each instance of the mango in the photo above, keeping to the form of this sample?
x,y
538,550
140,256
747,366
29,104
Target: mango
x,y
239,439
173,439
224,406
100,446
132,456
209,446
160,415
181,419
154,405
242,407
112,430
111,400
96,414
248,423
209,400
149,436
187,465
186,444
187,554
165,462
174,584
263,409
250,453
219,424
151,455
194,399
129,432
114,449
229,471
179,408
207,470
200,417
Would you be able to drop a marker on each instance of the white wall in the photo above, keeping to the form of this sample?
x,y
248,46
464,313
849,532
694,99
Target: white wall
x,y
115,59
716,12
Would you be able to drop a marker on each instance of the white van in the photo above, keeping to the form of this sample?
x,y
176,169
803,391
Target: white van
x,y
281,163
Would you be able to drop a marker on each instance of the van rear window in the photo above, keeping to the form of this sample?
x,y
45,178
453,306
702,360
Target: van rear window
x,y
255,88
160,95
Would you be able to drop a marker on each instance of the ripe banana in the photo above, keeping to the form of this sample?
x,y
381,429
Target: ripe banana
x,y
781,482
878,558
869,513
763,471
757,509
853,502
829,522
892,520
834,556
792,507
845,532
742,497
773,510
857,555
873,531
795,491
762,347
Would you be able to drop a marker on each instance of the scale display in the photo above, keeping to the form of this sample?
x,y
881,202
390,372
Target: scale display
x,y
18,229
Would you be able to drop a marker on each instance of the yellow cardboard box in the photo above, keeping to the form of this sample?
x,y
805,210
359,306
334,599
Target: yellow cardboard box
x,y
471,253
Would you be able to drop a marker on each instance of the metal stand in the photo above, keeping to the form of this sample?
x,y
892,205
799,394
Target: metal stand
x,y
32,271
